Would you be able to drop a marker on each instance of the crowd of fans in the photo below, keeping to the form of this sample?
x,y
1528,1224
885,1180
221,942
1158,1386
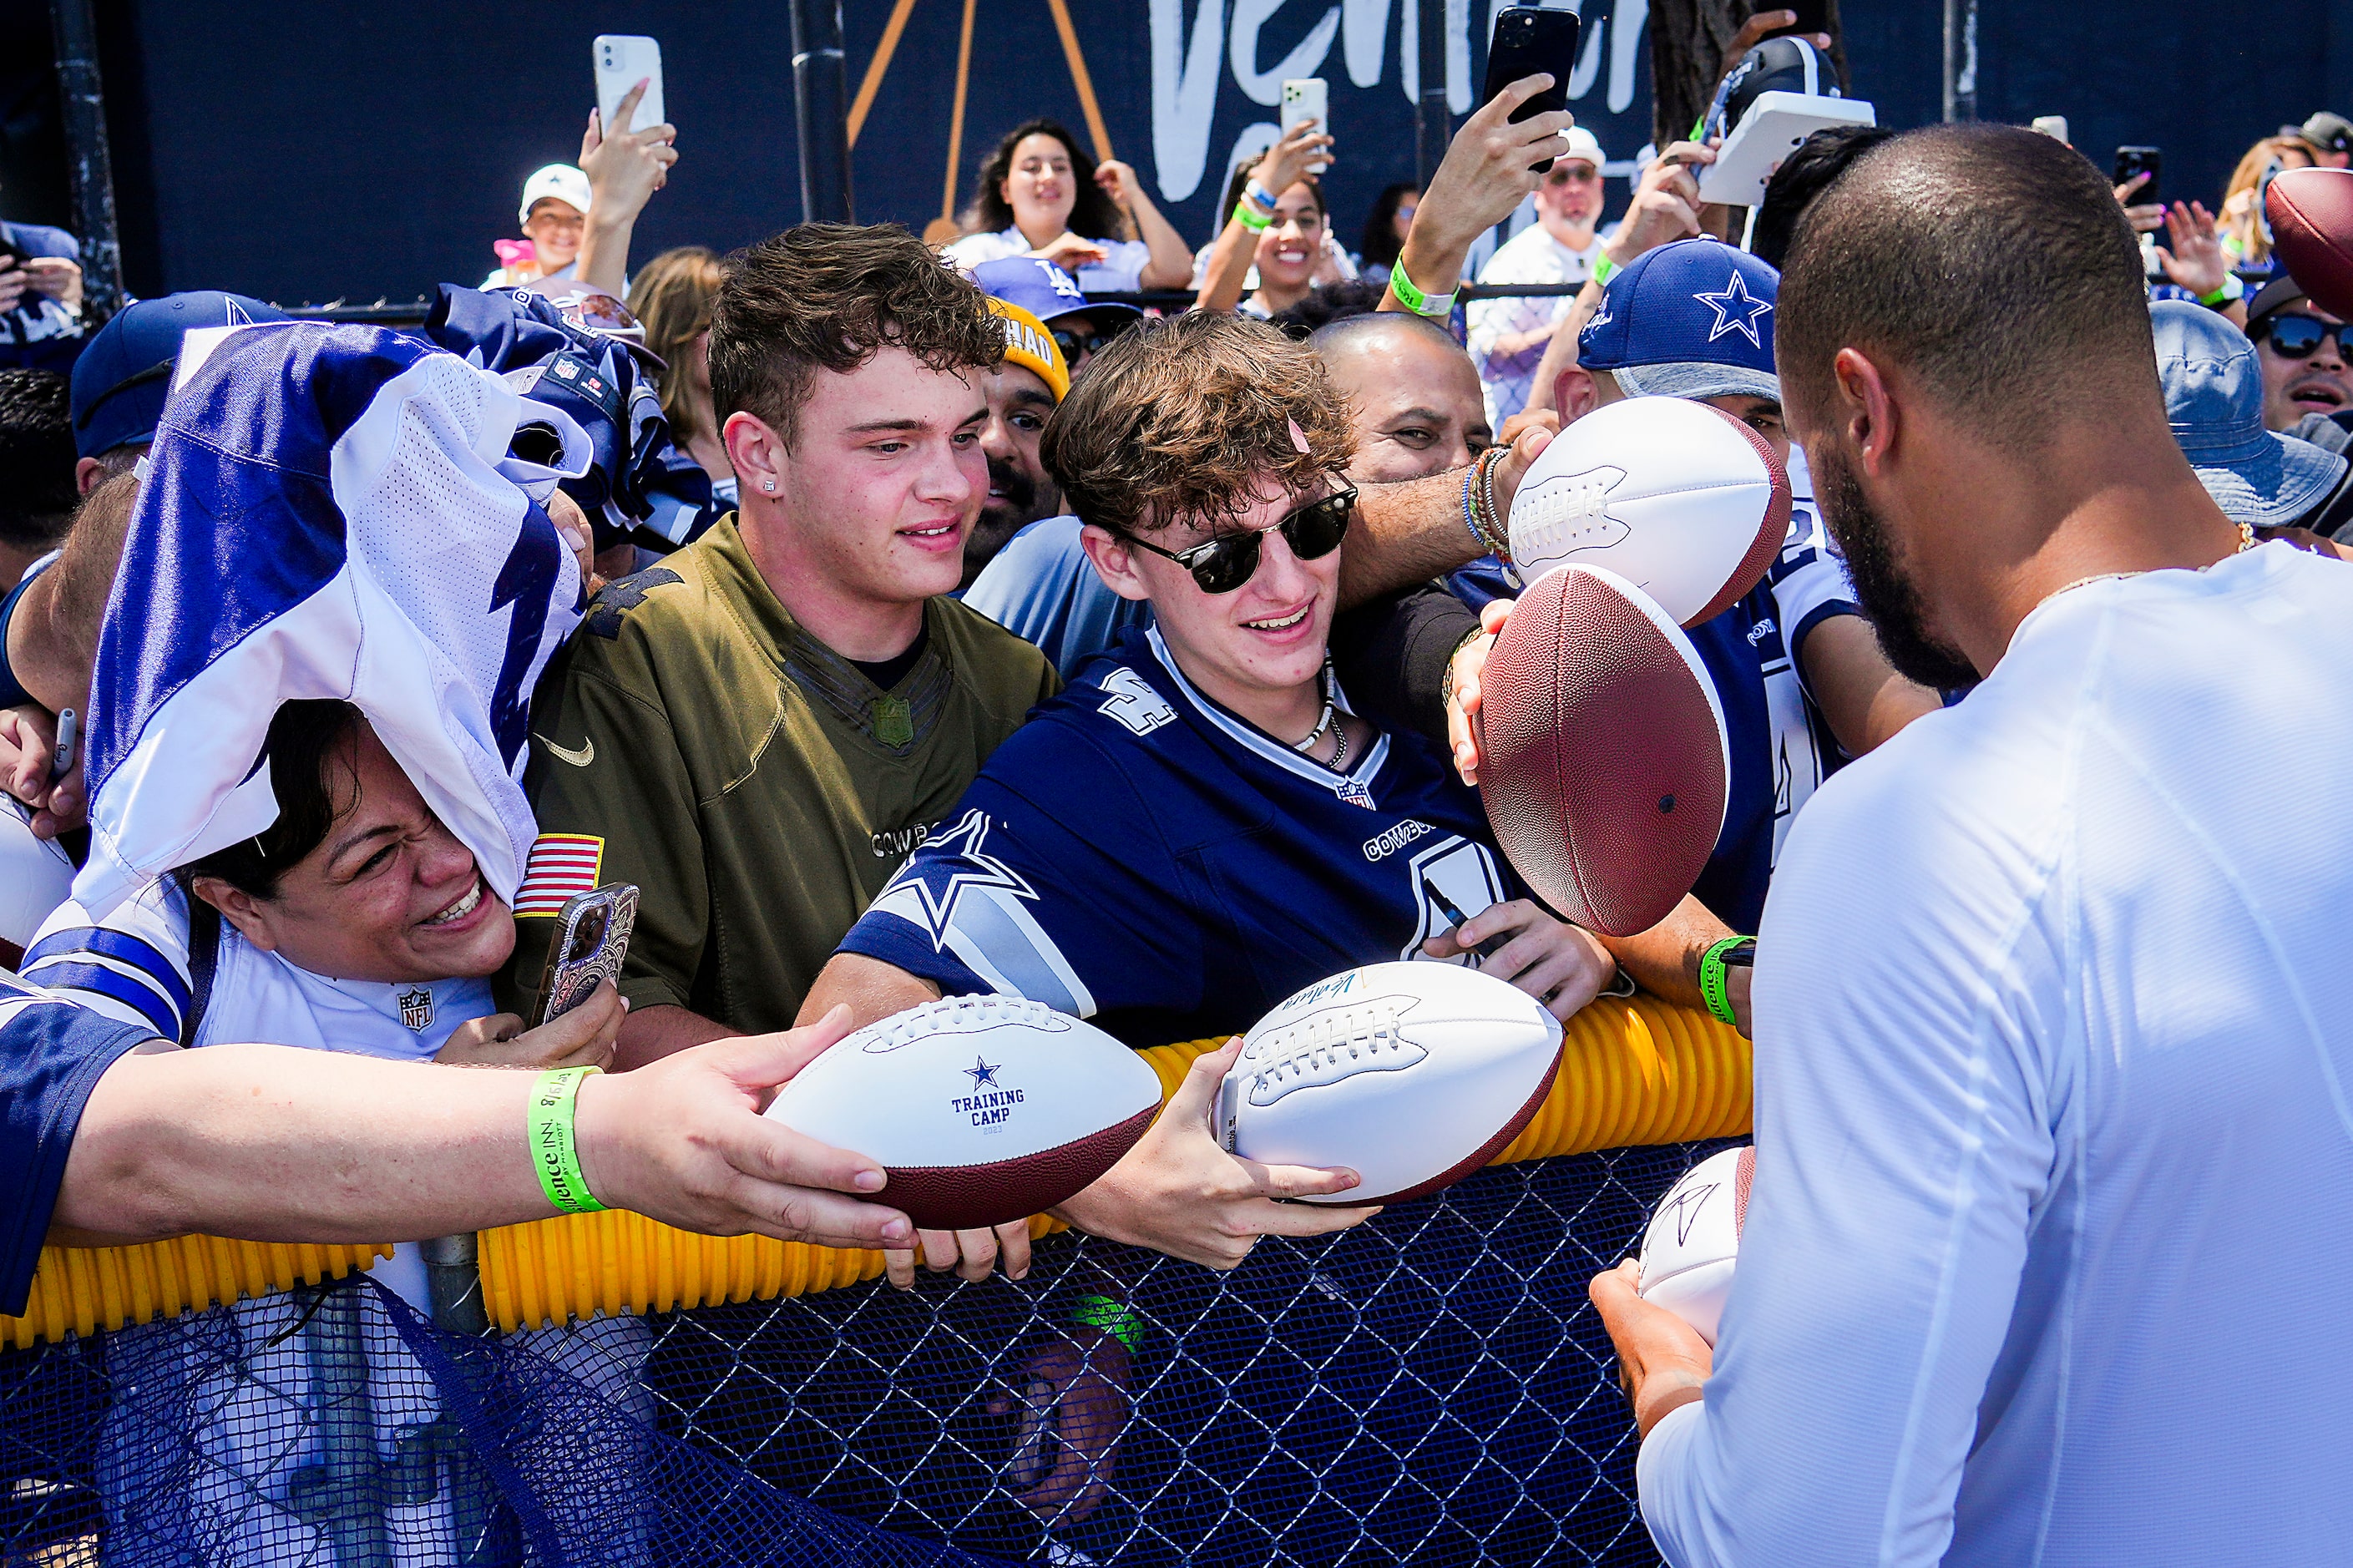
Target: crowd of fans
x,y
947,623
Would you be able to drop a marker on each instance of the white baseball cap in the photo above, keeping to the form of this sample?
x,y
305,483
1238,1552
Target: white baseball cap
x,y
1581,144
561,181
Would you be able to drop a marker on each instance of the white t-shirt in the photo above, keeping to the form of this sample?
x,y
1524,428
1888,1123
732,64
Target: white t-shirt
x,y
1121,272
2048,1249
1531,256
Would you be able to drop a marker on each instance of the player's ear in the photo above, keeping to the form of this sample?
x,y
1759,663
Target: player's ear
x,y
1572,393
240,909
1115,562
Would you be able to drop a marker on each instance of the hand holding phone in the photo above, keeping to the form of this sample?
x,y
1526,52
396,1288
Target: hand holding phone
x,y
590,939
1532,40
623,60
1307,101
2131,163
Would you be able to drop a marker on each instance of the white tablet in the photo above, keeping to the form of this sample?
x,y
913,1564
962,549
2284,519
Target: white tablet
x,y
1776,122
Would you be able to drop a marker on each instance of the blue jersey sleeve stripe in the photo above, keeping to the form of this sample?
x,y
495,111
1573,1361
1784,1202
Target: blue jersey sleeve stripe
x,y
150,1002
120,946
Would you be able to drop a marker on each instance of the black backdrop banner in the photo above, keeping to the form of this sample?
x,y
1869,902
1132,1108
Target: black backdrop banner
x,y
311,151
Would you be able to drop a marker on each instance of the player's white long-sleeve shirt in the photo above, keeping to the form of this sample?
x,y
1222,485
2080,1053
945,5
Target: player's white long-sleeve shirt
x,y
2049,1255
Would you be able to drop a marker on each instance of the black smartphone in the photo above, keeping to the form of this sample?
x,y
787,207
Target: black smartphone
x,y
1813,16
2131,161
1529,39
591,938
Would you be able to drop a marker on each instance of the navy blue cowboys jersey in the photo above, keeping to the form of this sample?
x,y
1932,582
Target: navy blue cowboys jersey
x,y
1139,854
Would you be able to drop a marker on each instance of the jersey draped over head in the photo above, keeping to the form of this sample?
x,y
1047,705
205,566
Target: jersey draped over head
x,y
1139,854
328,512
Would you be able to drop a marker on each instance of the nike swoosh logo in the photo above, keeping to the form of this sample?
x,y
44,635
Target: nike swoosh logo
x,y
579,759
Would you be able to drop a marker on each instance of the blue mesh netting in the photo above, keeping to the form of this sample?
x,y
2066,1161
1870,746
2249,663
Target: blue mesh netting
x,y
1432,1387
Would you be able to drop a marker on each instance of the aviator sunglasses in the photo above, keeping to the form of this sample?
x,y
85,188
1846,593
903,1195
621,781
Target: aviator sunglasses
x,y
1224,564
2295,337
1076,346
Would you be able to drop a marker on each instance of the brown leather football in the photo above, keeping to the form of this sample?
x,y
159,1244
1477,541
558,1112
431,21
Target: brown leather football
x,y
1605,764
2311,213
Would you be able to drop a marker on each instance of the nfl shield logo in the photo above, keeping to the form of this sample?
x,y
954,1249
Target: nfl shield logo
x,y
417,1009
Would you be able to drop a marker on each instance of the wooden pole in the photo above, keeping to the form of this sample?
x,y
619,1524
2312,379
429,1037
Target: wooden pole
x,y
871,83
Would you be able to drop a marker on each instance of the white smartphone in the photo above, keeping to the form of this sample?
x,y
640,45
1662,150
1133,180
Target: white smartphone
x,y
623,60
1303,98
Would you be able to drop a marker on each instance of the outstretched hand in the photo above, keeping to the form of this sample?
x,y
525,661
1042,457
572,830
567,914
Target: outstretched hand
x,y
682,1141
1178,1191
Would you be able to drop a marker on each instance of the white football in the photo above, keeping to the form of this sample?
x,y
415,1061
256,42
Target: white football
x,y
1413,1075
1695,1239
980,1110
1678,498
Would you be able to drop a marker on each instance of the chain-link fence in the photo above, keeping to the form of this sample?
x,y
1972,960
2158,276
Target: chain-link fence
x,y
1432,1387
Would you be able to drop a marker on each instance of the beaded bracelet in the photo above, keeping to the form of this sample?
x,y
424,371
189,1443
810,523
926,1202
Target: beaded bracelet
x,y
1489,461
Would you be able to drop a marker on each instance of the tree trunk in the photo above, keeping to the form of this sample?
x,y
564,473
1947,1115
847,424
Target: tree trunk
x,y
1688,43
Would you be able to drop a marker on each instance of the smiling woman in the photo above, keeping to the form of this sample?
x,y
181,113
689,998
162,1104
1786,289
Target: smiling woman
x,y
355,921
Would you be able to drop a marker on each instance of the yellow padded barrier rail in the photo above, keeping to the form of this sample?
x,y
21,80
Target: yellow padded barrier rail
x,y
1633,1071
90,1289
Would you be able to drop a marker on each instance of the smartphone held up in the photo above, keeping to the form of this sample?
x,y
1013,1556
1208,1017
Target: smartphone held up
x,y
1532,40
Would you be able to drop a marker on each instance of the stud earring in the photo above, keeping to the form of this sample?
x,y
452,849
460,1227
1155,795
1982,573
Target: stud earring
x,y
769,486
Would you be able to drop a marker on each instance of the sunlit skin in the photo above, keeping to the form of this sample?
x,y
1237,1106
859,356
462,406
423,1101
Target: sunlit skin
x,y
1568,202
2320,383
555,230
1041,188
1413,402
1289,251
871,502
390,894
1258,649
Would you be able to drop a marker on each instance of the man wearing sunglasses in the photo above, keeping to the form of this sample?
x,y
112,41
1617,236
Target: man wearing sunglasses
x,y
1201,826
2307,358
1508,337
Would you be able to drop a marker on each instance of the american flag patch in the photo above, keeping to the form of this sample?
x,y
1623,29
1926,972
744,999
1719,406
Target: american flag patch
x,y
561,865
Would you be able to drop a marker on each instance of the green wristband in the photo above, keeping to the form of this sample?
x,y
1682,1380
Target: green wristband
x,y
1113,1317
1251,218
1604,269
1712,989
553,1153
1411,296
2231,289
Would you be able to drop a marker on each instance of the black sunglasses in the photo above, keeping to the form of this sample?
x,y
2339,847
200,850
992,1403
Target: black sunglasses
x,y
2295,337
1076,347
1224,564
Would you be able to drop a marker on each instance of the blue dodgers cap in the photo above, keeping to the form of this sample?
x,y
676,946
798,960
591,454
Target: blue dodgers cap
x,y
122,377
1693,319
2214,401
1042,288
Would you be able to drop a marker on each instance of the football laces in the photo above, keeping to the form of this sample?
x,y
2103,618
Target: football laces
x,y
1569,512
958,1015
1334,1045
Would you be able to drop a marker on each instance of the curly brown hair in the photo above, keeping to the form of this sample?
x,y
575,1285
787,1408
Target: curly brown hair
x,y
827,295
672,297
1193,419
1094,215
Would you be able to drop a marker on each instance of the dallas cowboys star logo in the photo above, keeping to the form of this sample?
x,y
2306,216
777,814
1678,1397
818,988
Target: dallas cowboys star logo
x,y
1736,310
982,1075
926,889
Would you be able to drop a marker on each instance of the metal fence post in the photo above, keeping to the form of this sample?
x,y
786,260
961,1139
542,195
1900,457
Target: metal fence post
x,y
822,104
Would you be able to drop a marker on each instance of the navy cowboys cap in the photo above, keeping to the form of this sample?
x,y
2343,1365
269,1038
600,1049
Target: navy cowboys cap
x,y
1692,319
120,380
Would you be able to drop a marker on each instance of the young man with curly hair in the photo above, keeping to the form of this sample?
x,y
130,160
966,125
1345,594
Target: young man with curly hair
x,y
1201,827
757,729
